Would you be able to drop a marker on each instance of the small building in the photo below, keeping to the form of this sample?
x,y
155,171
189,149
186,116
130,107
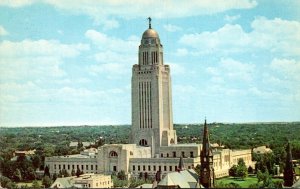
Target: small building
x,y
84,181
84,144
24,152
180,179
262,150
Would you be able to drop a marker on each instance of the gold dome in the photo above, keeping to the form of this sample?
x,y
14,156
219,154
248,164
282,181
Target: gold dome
x,y
150,33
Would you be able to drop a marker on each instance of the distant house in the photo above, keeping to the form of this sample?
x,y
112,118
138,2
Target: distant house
x,y
85,144
23,153
262,150
84,181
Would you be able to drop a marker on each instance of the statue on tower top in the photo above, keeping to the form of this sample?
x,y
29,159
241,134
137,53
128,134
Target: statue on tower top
x,y
149,18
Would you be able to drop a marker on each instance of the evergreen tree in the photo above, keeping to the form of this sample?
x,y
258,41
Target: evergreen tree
x,y
78,172
46,171
289,173
46,181
73,172
242,170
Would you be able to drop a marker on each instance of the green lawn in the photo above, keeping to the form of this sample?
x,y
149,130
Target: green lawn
x,y
243,183
29,184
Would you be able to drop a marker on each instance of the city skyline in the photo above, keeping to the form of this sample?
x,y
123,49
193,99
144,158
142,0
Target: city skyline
x,y
70,64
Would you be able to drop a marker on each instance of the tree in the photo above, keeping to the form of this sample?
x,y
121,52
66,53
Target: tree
x,y
73,172
30,174
250,170
46,181
36,185
121,175
4,181
78,172
17,175
46,171
54,176
197,169
233,171
36,161
242,170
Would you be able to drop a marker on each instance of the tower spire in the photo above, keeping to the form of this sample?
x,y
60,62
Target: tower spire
x,y
206,158
149,18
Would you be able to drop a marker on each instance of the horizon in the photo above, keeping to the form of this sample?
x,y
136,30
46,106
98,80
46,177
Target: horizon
x,y
226,123
232,61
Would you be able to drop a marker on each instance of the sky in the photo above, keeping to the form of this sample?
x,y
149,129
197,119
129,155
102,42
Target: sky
x,y
66,62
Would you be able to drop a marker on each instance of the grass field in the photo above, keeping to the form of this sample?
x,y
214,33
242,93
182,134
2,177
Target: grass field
x,y
29,184
243,183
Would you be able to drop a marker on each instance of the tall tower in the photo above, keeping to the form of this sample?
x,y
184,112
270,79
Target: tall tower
x,y
152,123
206,158
289,173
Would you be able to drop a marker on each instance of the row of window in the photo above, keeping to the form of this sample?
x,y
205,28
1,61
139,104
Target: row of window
x,y
145,57
145,104
174,154
68,167
156,168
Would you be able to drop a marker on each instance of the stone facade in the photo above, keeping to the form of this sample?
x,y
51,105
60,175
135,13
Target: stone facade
x,y
154,142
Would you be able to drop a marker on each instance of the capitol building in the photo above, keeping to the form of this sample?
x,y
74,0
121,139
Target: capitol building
x,y
153,141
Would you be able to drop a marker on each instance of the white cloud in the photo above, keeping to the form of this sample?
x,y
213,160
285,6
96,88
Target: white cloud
x,y
233,18
107,9
3,31
172,28
16,3
275,36
109,69
289,69
42,47
28,59
181,52
232,69
176,69
105,42
115,55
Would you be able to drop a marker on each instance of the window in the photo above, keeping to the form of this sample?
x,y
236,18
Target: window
x,y
161,155
59,167
149,168
139,168
170,168
54,166
87,167
113,154
143,142
133,167
175,167
159,168
81,167
96,167
115,168
73,166
167,154
189,167
144,168
68,167
64,166
192,154
182,154
165,168
92,167
174,154
154,168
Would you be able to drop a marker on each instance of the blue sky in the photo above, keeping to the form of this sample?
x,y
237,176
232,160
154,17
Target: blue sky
x,y
69,62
